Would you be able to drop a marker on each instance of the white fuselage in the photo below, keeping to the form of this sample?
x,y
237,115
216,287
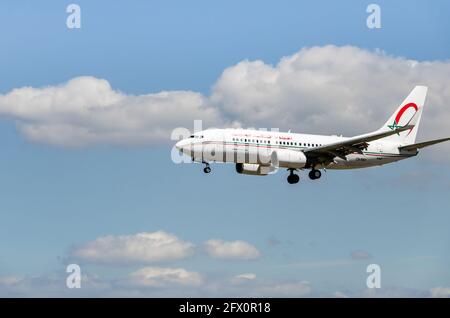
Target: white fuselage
x,y
254,146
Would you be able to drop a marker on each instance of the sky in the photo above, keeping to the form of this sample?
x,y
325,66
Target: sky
x,y
86,117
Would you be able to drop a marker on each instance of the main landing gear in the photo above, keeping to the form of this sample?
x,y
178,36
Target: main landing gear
x,y
314,174
292,177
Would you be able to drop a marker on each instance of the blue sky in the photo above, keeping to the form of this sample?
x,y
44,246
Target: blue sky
x,y
56,198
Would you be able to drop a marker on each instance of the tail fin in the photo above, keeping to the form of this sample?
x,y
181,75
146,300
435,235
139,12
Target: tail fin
x,y
411,106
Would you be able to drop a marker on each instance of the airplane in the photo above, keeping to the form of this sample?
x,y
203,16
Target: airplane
x,y
262,153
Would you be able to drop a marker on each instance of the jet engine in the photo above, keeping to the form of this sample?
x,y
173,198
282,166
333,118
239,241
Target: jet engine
x,y
252,169
288,158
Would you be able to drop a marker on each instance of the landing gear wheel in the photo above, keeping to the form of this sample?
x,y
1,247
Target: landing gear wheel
x,y
314,174
207,169
293,178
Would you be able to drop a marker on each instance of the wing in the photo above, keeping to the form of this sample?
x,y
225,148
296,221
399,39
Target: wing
x,y
423,144
326,154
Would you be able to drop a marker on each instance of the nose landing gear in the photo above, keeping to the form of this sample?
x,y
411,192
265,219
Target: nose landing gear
x,y
206,169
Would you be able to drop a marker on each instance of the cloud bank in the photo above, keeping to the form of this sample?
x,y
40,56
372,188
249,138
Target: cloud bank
x,y
86,110
159,246
325,89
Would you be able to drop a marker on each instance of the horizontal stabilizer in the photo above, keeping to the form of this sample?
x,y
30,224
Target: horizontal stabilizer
x,y
423,144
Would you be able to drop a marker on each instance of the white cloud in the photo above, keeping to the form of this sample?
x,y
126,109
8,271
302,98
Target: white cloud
x,y
231,250
290,289
325,89
247,276
440,292
86,110
162,277
138,248
243,278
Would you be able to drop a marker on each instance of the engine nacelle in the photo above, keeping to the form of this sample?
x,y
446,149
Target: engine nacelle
x,y
288,158
251,168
